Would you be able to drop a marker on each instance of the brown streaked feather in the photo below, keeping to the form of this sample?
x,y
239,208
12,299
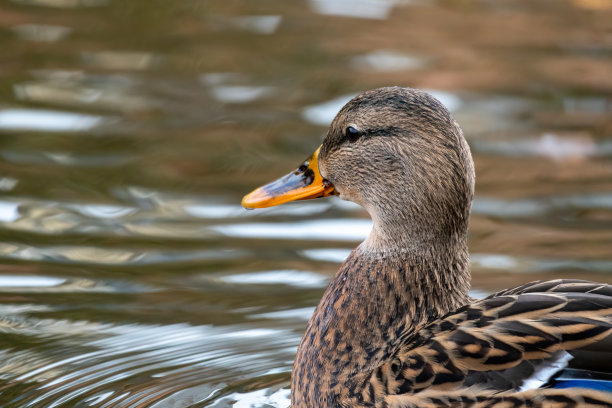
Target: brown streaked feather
x,y
547,398
557,285
496,334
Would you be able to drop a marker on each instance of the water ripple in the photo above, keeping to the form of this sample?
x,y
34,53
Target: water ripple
x,y
52,284
259,398
112,256
173,217
170,361
331,230
552,146
522,264
49,121
297,278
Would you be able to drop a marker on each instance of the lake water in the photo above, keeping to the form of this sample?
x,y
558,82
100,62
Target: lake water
x,y
129,130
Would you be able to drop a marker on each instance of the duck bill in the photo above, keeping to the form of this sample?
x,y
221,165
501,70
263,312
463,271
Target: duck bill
x,y
303,183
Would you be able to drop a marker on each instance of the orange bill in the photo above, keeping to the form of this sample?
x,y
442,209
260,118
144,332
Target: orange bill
x,y
303,183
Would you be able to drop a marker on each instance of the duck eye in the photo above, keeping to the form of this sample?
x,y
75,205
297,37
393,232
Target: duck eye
x,y
352,134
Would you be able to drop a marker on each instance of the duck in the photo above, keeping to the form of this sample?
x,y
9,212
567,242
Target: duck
x,y
396,327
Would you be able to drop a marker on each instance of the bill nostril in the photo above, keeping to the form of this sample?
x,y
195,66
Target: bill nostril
x,y
309,176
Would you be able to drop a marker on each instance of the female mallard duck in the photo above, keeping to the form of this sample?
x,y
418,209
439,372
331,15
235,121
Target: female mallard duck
x,y
396,327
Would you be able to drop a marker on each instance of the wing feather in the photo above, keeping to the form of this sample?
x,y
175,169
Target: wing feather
x,y
548,398
493,345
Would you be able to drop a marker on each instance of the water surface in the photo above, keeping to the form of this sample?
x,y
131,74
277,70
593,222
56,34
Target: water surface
x,y
129,130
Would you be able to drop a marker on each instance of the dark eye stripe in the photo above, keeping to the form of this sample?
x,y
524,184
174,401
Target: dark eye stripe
x,y
352,134
389,131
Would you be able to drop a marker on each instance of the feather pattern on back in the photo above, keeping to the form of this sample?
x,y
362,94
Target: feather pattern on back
x,y
501,337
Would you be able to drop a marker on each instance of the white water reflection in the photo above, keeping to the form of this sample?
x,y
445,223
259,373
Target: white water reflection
x,y
327,230
31,284
240,93
42,32
266,24
219,78
102,210
17,281
291,277
524,264
526,208
178,399
563,148
67,254
552,146
494,261
505,208
336,255
256,399
368,9
9,211
48,120
478,293
303,313
230,87
387,61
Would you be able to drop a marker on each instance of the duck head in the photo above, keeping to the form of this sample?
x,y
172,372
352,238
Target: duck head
x,y
399,154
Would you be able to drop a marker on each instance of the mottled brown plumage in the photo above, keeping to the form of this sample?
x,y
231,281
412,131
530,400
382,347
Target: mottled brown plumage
x,y
396,328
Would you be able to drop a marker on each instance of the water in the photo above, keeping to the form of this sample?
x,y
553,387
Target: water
x,y
129,130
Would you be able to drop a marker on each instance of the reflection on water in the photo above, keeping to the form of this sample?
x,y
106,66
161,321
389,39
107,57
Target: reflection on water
x,y
47,120
180,360
334,230
387,61
129,274
291,277
41,32
258,24
567,148
367,9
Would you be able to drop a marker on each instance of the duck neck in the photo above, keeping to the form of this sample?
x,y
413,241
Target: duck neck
x,y
427,278
375,298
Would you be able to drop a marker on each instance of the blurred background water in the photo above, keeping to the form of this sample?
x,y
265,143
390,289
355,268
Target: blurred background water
x,y
129,130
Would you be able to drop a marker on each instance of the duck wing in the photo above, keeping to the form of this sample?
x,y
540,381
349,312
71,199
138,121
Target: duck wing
x,y
540,398
501,346
557,286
